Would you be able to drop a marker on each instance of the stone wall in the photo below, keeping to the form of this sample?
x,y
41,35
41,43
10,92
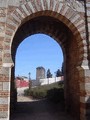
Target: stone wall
x,y
47,81
74,18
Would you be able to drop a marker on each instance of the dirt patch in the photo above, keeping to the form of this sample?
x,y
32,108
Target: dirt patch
x,y
29,109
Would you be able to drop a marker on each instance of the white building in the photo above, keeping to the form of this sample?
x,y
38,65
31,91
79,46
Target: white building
x,y
50,80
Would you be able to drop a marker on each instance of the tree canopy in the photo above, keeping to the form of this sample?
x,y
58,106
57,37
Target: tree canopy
x,y
49,75
58,73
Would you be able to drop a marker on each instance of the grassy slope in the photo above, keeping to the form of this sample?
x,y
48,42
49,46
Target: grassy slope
x,y
52,91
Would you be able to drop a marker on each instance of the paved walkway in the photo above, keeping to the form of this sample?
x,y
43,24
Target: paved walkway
x,y
39,110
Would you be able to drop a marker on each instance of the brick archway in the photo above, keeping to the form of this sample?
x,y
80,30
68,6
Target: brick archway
x,y
54,9
17,17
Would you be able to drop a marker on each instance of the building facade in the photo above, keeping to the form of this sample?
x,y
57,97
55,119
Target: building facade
x,y
47,81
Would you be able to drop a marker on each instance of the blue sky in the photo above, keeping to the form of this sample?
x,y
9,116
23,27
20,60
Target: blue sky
x,y
38,50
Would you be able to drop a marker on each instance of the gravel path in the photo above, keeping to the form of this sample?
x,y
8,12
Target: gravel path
x,y
24,99
39,110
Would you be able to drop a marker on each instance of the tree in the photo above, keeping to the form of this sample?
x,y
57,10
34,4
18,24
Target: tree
x,y
58,73
62,69
49,75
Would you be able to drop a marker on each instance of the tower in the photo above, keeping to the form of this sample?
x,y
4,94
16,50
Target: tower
x,y
40,73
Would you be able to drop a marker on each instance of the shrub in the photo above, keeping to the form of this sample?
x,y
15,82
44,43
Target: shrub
x,y
26,92
56,95
53,92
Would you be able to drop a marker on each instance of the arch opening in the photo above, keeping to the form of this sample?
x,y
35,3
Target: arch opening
x,y
35,55
63,35
40,48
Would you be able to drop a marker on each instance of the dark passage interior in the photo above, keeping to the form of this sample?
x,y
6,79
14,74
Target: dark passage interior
x,y
40,110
